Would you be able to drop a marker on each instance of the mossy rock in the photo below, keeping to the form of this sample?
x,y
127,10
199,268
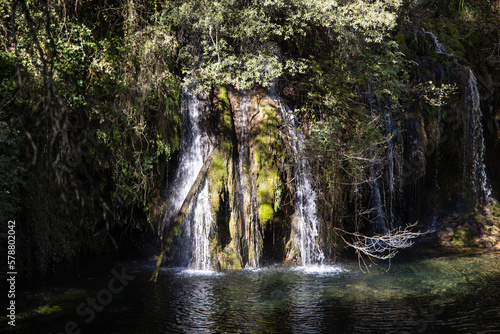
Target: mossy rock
x,y
494,212
268,153
465,236
218,178
481,220
266,212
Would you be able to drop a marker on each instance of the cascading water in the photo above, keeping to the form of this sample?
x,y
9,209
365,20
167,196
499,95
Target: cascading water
x,y
437,45
201,225
383,193
194,241
473,143
305,224
475,140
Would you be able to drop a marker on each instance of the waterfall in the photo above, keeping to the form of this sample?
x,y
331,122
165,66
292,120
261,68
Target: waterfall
x,y
305,224
383,190
193,242
475,140
392,171
473,144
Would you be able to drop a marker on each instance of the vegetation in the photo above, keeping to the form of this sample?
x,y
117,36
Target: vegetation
x,y
101,120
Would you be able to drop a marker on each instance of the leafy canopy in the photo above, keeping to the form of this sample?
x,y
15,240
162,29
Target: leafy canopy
x,y
242,42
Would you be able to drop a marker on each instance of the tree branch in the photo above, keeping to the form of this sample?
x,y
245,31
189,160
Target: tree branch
x,y
380,246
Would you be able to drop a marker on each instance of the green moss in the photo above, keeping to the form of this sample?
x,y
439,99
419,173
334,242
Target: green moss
x,y
268,154
267,183
217,177
266,212
226,258
495,210
218,171
481,219
266,157
47,309
232,260
464,236
226,120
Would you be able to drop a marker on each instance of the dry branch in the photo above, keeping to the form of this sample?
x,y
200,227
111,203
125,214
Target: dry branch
x,y
381,246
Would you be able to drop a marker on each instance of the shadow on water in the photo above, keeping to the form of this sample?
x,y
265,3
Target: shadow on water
x,y
431,292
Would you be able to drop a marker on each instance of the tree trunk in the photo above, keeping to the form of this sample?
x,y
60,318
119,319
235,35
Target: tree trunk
x,y
181,215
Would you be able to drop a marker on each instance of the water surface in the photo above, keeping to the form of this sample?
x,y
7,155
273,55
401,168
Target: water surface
x,y
421,293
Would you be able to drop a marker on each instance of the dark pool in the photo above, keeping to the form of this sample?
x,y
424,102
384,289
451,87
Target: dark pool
x,y
433,292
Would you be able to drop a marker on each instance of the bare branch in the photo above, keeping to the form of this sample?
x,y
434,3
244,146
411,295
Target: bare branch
x,y
381,246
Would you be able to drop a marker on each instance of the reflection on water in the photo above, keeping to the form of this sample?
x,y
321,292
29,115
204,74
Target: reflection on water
x,y
431,294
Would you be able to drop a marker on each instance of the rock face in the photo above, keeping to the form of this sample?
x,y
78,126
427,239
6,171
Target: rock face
x,y
246,181
446,150
450,140
255,204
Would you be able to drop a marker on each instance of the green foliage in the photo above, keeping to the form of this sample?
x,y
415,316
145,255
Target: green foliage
x,y
345,103
47,309
237,43
90,118
434,96
12,163
463,26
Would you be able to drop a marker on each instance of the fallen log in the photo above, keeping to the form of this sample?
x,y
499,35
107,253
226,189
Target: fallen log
x,y
181,215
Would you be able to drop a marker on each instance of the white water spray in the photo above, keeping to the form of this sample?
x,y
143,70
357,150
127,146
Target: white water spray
x,y
201,226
